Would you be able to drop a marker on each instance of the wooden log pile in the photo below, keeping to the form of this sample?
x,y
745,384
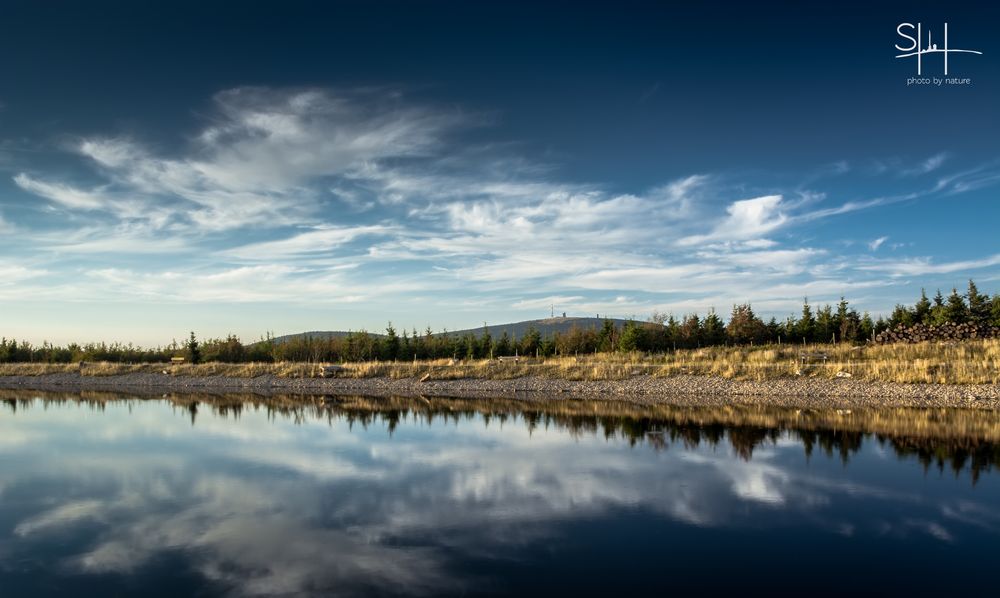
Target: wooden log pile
x,y
948,332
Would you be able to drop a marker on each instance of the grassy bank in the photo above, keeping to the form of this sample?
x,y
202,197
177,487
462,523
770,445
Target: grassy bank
x,y
970,362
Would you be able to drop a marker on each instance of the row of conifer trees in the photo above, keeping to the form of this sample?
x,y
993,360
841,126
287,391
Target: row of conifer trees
x,y
661,333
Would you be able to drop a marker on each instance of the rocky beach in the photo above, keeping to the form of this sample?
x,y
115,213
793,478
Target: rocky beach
x,y
643,389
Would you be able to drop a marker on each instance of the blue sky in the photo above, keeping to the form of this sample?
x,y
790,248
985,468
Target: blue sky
x,y
291,167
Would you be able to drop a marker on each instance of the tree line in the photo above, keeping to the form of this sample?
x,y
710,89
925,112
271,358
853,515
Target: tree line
x,y
661,333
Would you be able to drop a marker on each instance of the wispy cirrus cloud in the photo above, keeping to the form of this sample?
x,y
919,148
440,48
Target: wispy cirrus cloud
x,y
312,243
876,243
11,274
243,284
257,163
927,166
63,194
926,265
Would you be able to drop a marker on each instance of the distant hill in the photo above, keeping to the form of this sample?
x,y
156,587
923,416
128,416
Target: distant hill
x,y
515,330
547,327
317,334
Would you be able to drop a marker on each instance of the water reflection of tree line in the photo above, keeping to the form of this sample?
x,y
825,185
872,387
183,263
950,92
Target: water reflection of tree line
x,y
952,438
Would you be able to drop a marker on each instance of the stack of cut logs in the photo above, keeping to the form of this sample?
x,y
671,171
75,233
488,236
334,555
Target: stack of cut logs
x,y
919,333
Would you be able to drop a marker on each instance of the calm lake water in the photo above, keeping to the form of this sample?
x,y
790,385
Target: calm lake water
x,y
113,495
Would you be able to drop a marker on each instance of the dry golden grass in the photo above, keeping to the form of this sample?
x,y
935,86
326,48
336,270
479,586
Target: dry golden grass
x,y
970,362
973,362
34,369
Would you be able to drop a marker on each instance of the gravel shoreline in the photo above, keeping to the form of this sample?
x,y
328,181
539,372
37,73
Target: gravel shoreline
x,y
681,390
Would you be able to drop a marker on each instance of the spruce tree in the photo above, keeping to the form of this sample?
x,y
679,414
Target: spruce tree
x,y
193,349
789,328
712,329
471,345
848,322
900,315
630,338
841,311
922,309
773,330
606,338
486,343
867,330
405,348
503,345
979,305
825,325
938,313
531,341
673,331
955,310
430,344
806,324
390,345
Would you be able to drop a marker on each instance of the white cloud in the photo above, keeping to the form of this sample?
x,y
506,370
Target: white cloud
x,y
246,284
323,239
11,274
929,165
545,302
257,163
124,244
921,266
123,238
747,218
784,261
64,195
874,245
759,244
273,139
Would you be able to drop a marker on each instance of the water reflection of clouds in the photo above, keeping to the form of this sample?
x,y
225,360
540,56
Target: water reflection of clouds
x,y
269,507
759,480
972,513
61,516
255,538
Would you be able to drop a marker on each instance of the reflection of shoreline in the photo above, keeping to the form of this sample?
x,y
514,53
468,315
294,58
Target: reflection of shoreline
x,y
803,392
953,438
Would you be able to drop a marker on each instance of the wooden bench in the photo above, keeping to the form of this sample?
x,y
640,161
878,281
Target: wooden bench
x,y
176,360
812,358
508,359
